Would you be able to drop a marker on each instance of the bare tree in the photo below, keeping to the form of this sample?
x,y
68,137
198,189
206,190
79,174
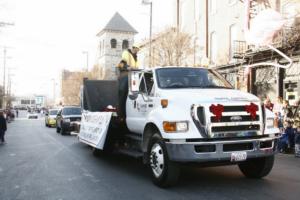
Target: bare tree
x,y
171,48
71,83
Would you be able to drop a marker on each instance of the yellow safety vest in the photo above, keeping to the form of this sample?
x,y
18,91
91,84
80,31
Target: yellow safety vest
x,y
127,56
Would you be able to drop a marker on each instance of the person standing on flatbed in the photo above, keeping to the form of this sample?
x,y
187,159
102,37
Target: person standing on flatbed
x,y
129,62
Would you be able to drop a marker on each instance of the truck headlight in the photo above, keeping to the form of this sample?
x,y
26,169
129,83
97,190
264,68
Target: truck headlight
x,y
270,123
170,127
67,120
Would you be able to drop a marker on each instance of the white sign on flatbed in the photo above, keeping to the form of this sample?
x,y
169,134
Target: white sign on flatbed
x,y
93,129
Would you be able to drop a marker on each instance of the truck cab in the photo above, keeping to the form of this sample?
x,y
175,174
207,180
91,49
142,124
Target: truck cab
x,y
179,115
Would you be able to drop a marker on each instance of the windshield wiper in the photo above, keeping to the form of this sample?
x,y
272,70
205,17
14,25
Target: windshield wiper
x,y
216,86
177,86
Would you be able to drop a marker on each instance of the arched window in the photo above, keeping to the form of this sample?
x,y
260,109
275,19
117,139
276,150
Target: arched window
x,y
213,47
125,44
113,43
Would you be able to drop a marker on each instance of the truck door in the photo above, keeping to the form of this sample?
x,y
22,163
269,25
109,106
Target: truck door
x,y
139,103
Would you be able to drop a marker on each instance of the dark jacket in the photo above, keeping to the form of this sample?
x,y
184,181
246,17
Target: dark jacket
x,y
3,126
297,138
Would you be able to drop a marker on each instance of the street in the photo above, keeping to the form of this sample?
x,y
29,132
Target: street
x,y
38,163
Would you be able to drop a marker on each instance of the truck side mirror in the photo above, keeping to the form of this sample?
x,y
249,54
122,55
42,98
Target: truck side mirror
x,y
134,82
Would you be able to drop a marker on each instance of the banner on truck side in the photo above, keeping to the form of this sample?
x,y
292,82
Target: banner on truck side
x,y
93,128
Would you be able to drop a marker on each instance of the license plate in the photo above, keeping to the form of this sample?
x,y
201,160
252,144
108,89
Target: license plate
x,y
238,156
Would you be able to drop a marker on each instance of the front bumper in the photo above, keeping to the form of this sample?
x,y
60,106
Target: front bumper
x,y
68,126
52,122
220,150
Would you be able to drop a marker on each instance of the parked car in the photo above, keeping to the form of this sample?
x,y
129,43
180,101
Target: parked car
x,y
65,117
32,115
50,118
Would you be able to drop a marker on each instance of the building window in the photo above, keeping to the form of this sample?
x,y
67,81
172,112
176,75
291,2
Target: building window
x,y
213,47
232,39
113,43
125,44
213,6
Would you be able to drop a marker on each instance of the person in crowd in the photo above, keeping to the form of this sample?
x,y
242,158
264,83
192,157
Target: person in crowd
x,y
286,111
3,127
277,110
17,113
297,142
268,104
286,141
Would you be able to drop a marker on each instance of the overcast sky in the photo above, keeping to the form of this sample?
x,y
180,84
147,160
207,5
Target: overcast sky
x,y
50,35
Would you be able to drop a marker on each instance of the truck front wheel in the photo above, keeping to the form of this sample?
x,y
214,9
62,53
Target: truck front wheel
x,y
257,167
164,172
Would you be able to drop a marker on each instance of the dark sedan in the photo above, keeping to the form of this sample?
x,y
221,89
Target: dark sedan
x,y
65,118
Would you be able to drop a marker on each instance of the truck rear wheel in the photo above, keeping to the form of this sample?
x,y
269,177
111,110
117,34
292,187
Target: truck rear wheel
x,y
164,172
62,131
257,167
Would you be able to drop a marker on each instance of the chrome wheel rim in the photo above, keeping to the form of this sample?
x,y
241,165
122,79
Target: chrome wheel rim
x,y
157,160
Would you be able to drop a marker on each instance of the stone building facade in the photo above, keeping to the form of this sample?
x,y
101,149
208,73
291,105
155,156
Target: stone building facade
x,y
113,39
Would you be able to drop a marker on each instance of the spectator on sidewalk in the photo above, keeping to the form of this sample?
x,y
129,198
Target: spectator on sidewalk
x,y
277,110
297,142
287,140
268,104
287,111
3,127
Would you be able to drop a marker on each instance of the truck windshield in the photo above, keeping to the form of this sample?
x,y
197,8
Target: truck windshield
x,y
190,78
53,112
71,111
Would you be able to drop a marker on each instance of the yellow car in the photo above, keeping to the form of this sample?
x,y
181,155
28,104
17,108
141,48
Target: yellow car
x,y
50,118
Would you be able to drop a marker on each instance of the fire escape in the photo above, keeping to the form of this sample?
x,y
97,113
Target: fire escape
x,y
249,54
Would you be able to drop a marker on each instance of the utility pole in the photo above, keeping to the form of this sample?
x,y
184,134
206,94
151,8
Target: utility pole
x,y
54,96
147,2
206,29
177,14
4,74
87,60
3,24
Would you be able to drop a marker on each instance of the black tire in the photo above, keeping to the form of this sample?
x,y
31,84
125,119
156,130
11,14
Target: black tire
x,y
97,152
257,167
170,170
62,131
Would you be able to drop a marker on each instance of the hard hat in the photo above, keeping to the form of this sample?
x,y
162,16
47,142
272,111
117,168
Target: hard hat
x,y
136,45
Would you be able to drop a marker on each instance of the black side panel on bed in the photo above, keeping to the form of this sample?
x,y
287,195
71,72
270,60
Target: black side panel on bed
x,y
98,94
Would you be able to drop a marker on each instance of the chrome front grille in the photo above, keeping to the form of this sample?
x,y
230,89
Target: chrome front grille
x,y
234,122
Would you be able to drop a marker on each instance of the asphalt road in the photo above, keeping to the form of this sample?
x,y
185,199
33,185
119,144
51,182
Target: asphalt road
x,y
37,163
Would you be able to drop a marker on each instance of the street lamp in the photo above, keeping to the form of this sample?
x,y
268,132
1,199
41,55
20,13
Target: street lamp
x,y
54,96
149,2
87,60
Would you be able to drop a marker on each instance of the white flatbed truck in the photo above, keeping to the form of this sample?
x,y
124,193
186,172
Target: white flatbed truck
x,y
180,115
